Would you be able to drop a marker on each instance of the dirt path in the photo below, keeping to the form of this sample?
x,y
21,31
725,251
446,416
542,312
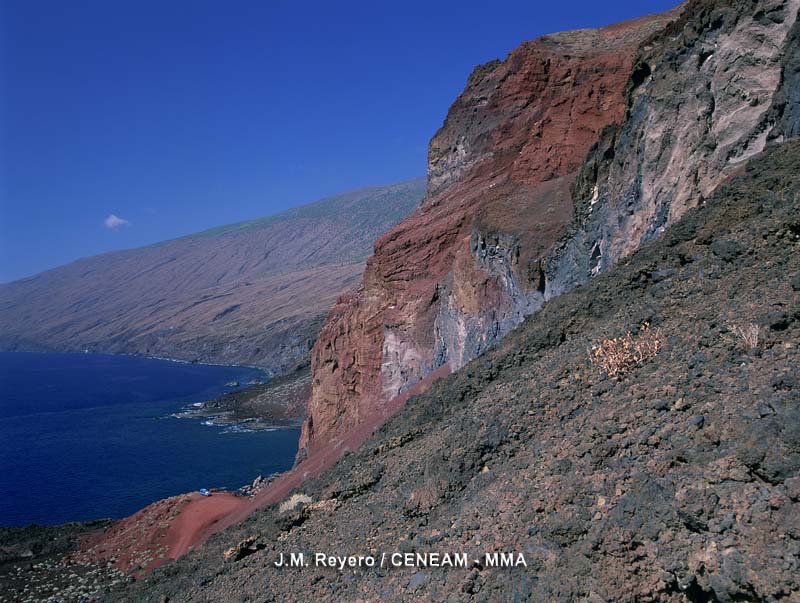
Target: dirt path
x,y
199,516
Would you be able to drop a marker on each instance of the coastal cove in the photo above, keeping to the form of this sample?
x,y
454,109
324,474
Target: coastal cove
x,y
87,436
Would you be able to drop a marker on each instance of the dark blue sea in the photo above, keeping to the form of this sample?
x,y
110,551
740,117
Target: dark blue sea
x,y
85,436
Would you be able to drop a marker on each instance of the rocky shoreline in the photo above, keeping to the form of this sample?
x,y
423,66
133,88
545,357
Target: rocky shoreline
x,y
54,564
278,403
50,563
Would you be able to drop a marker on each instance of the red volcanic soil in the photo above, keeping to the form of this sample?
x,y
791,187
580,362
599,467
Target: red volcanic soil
x,y
149,537
169,528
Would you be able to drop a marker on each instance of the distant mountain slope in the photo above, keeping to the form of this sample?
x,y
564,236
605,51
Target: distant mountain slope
x,y
250,293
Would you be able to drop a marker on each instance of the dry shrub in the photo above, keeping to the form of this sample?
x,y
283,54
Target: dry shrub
x,y
425,497
748,335
618,355
294,501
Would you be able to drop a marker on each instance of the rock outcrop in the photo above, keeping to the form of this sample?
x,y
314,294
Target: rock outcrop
x,y
456,276
670,106
253,293
709,92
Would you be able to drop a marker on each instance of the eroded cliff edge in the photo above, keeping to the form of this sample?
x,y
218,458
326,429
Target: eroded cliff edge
x,y
665,107
706,94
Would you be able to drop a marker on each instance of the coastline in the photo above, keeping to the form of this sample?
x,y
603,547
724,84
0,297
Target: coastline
x,y
278,403
120,418
143,356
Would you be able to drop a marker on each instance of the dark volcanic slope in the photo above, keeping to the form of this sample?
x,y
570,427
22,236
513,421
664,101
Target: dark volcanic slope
x,y
250,293
676,482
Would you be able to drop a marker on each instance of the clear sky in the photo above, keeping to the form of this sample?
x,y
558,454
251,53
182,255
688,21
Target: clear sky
x,y
128,122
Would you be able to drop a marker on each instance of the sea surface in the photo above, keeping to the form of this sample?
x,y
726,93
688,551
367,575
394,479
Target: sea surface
x,y
85,436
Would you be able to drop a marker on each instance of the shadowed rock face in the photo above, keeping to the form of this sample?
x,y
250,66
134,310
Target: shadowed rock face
x,y
252,293
670,106
457,275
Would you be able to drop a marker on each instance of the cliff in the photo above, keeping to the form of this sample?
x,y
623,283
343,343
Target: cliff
x,y
677,481
452,279
253,293
552,166
708,93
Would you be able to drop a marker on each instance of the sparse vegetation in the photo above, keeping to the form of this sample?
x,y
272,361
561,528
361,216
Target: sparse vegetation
x,y
747,335
618,355
294,501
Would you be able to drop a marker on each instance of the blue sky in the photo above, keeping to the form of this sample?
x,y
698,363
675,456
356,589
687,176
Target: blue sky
x,y
129,122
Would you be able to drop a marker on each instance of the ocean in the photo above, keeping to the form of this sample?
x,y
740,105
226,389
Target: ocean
x,y
87,436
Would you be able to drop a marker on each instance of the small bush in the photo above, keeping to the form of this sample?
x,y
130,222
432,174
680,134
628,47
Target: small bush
x,y
618,355
748,335
294,501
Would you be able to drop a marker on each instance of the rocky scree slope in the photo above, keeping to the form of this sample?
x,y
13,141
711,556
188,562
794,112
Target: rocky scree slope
x,y
678,481
253,293
33,568
458,274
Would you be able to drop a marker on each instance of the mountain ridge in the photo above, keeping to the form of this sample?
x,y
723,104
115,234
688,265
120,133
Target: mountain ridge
x,y
252,292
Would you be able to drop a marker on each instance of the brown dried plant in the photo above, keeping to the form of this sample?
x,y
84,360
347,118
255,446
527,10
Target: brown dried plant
x,y
619,355
748,335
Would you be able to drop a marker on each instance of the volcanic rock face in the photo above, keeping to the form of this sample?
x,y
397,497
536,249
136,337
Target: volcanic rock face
x,y
449,281
252,293
705,95
682,99
677,481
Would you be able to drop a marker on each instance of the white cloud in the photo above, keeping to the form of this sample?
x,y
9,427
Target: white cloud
x,y
113,222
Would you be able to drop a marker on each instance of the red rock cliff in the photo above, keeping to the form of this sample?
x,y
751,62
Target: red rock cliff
x,y
468,265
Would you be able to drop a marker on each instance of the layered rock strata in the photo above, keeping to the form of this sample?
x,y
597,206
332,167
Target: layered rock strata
x,y
456,276
552,166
